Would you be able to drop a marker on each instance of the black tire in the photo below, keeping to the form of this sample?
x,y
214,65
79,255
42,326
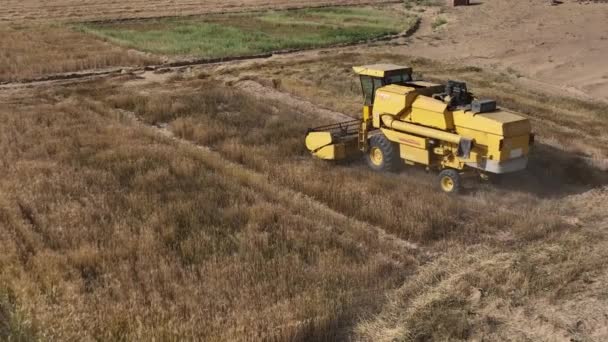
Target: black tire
x,y
450,181
383,155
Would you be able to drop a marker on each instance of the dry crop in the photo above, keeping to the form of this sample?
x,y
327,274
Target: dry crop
x,y
34,51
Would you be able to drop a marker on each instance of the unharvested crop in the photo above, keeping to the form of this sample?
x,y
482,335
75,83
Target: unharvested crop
x,y
253,33
38,50
112,231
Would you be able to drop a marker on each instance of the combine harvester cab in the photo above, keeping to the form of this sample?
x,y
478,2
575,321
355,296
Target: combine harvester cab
x,y
442,127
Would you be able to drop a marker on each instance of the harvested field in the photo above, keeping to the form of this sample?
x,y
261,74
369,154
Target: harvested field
x,y
249,34
81,10
37,50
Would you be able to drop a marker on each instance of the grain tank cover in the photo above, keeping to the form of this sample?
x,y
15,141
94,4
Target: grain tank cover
x,y
394,99
382,70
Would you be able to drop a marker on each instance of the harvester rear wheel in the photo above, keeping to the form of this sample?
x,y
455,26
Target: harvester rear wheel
x,y
449,181
383,155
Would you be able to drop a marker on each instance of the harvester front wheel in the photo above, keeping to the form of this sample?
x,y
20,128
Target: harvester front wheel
x,y
449,181
383,154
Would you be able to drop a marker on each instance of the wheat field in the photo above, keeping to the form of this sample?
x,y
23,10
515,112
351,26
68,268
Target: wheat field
x,y
181,203
170,210
36,51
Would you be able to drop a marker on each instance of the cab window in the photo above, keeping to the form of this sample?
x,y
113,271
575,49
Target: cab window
x,y
397,78
368,89
378,82
369,85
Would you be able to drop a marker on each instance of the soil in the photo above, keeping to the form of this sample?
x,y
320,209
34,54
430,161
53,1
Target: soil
x,y
561,47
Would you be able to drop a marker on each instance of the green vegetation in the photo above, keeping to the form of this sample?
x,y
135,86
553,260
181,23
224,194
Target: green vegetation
x,y
13,326
252,33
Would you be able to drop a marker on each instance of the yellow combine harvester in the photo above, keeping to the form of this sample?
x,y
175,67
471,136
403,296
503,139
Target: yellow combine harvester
x,y
440,126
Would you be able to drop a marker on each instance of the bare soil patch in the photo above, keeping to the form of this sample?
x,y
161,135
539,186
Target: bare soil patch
x,y
564,46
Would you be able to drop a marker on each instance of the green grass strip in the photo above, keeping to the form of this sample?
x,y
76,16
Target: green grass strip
x,y
252,33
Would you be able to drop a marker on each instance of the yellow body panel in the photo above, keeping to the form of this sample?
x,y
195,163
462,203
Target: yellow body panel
x,y
488,129
499,122
376,119
427,111
317,140
418,155
411,148
405,102
332,152
394,99
380,70
422,131
323,145
515,147
404,138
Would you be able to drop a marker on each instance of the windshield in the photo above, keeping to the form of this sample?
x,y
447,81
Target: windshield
x,y
398,78
370,84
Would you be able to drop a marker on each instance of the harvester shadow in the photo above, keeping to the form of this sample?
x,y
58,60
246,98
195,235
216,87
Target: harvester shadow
x,y
553,172
335,327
